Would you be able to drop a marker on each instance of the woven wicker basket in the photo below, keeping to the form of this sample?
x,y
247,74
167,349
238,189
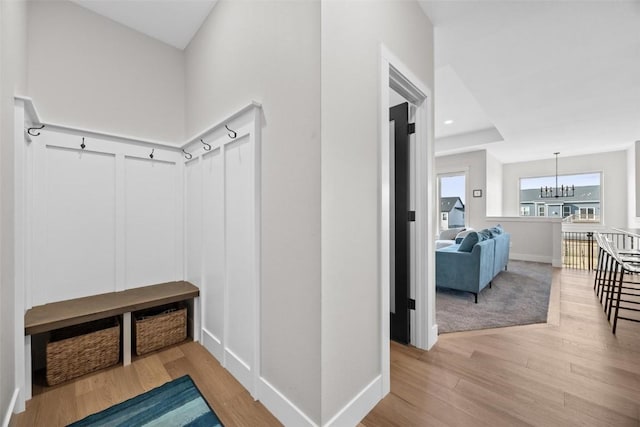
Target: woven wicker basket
x,y
160,327
84,348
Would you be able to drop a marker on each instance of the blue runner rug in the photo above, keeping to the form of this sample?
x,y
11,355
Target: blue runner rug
x,y
176,403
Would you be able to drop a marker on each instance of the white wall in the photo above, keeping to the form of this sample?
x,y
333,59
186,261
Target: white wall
x,y
270,52
87,71
351,325
532,239
13,18
493,191
475,163
613,166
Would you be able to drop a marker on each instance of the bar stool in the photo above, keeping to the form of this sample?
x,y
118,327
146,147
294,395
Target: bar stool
x,y
605,271
602,265
629,265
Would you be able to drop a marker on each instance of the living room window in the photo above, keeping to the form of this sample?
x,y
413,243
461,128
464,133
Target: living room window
x,y
452,206
579,202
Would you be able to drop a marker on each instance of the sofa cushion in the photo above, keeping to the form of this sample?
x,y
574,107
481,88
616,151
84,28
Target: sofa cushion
x,y
469,242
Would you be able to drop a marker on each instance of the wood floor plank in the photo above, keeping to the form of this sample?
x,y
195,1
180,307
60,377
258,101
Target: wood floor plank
x,y
610,375
570,371
514,405
69,402
392,411
420,389
151,372
599,412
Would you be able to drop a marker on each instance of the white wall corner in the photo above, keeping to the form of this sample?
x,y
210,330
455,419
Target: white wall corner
x,y
282,408
358,408
556,241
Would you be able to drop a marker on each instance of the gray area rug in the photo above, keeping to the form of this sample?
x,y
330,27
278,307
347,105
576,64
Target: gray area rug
x,y
519,296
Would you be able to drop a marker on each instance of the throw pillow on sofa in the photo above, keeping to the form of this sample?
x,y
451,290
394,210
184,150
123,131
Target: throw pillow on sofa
x,y
460,236
485,234
469,242
497,230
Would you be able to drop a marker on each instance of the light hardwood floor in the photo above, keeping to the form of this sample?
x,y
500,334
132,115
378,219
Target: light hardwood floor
x,y
69,402
572,371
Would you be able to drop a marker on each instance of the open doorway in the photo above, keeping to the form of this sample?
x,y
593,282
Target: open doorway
x,y
395,75
402,218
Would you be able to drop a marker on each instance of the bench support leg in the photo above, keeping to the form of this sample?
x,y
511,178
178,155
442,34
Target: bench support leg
x,y
126,339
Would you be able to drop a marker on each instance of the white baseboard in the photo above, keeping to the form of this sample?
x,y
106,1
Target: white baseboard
x,y
529,257
213,345
281,407
359,406
12,404
352,413
240,370
433,336
556,262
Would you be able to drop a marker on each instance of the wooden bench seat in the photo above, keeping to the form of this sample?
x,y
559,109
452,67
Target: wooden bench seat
x,y
56,315
47,317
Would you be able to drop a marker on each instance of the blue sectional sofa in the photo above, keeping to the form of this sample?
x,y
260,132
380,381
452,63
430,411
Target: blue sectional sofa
x,y
471,264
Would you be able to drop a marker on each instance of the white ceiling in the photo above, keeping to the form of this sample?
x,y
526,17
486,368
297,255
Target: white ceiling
x,y
459,105
174,22
515,77
550,76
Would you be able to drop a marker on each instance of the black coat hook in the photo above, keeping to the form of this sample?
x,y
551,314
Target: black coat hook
x,y
35,133
207,147
151,155
233,133
187,156
83,144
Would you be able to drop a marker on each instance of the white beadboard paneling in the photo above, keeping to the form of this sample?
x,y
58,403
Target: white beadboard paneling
x,y
108,217
193,226
239,244
213,248
150,222
78,243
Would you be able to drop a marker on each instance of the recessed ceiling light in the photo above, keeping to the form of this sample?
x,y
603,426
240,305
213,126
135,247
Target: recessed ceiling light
x,y
448,122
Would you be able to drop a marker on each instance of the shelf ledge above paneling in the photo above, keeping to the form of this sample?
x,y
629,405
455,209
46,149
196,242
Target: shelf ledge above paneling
x,y
220,124
35,118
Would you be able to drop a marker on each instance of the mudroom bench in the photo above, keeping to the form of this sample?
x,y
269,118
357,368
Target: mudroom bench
x,y
49,317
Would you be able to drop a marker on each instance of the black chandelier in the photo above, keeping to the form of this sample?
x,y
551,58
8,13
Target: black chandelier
x,y
562,191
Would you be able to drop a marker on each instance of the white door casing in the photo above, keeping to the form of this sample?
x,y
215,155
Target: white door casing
x,y
394,74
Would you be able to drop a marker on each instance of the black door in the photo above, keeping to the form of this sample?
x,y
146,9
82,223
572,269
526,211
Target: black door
x,y
399,118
